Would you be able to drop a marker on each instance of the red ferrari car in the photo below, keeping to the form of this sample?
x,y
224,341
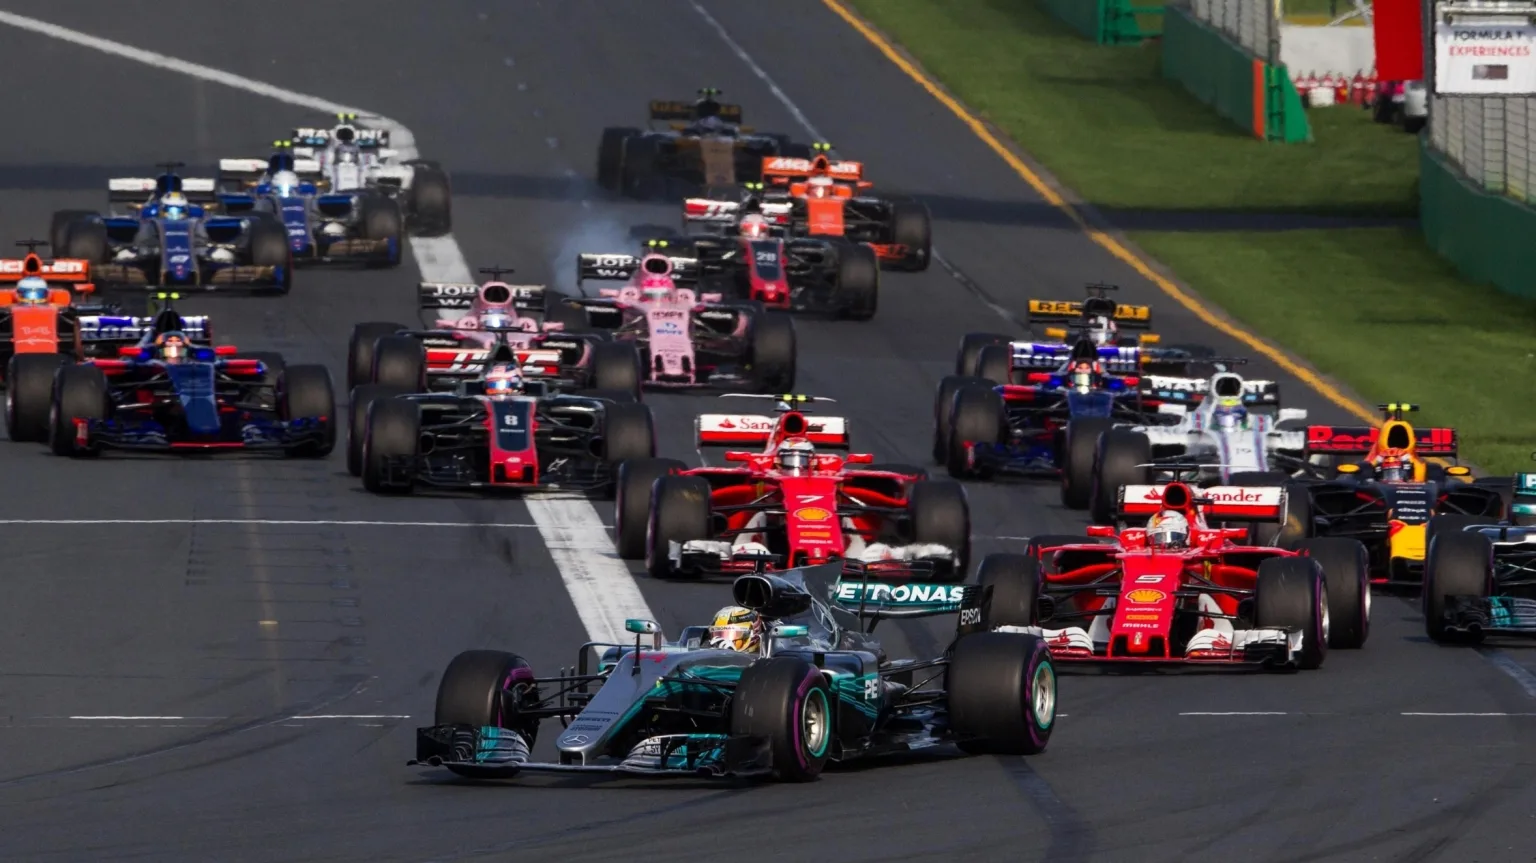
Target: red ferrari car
x,y
1209,598
786,505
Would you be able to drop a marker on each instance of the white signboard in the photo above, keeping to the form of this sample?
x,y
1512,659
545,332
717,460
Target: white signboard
x,y
1496,56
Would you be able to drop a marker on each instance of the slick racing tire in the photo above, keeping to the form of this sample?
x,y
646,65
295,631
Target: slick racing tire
x,y
1079,450
629,432
995,363
773,352
858,281
1299,522
1347,575
1458,564
610,156
394,431
912,227
632,501
305,392
400,361
1291,594
357,420
943,405
1001,688
29,395
383,220
487,688
970,350
85,239
1116,463
79,392
58,230
429,201
1451,523
269,248
977,416
679,513
360,350
786,701
941,515
1015,580
616,366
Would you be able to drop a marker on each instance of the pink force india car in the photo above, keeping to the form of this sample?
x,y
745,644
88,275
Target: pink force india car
x,y
1112,598
469,321
686,339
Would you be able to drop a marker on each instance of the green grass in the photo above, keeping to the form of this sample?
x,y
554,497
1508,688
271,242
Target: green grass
x,y
1370,307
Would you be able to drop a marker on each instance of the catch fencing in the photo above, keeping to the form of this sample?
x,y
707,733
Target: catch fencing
x,y
1252,24
1488,138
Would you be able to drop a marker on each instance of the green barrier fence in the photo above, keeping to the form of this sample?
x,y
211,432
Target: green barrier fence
x,y
1485,236
1109,22
1255,95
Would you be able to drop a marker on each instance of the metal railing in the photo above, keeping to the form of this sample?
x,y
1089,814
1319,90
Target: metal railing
x,y
1253,24
1489,139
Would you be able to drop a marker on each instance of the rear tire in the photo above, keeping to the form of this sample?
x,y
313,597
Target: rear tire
x,y
616,366
1115,461
357,420
58,230
430,201
912,227
995,363
629,432
79,392
382,220
632,501
86,239
773,352
360,349
785,700
978,417
1290,594
858,281
1080,448
610,157
970,350
305,392
29,395
400,361
1346,572
1015,580
1002,693
943,404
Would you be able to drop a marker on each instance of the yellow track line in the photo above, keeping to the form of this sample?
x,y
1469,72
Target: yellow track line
x,y
1110,244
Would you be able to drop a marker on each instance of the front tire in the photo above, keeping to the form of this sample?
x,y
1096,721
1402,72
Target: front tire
x,y
1002,693
785,700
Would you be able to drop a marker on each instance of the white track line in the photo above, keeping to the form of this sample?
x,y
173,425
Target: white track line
x,y
600,584
261,521
1235,713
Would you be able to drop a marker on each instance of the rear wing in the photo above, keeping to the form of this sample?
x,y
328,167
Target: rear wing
x,y
663,110
757,429
1217,503
619,268
792,168
1126,316
97,329
1192,391
70,271
137,190
253,169
455,295
708,211
1358,440
1041,356
363,138
884,590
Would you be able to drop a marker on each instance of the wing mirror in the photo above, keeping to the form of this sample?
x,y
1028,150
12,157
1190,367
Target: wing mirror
x,y
1285,414
860,458
225,351
1172,409
738,456
1101,530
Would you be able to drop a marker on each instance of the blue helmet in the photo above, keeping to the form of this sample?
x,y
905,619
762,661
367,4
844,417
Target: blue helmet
x,y
32,291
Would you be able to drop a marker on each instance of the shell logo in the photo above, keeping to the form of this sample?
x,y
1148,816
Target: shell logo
x,y
812,513
1145,596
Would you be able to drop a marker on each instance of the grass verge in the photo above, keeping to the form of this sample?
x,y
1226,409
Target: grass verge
x,y
1369,306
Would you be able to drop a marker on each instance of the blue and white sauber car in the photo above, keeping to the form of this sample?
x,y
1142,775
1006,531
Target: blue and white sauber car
x,y
788,680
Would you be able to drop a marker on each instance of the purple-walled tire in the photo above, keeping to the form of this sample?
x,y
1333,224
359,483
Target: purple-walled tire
x,y
1002,693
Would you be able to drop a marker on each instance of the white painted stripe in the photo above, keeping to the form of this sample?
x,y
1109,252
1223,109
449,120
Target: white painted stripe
x,y
261,521
1469,714
1235,713
355,716
1509,666
604,592
140,718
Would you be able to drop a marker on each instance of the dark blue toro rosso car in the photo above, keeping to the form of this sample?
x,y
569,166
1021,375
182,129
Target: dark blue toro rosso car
x,y
326,215
1045,415
164,235
168,394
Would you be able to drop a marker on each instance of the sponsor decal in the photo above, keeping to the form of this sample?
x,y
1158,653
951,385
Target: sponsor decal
x,y
900,592
1145,596
1149,579
14,266
747,424
573,739
35,332
668,314
1140,626
1141,617
809,498
812,513
611,262
815,533
970,617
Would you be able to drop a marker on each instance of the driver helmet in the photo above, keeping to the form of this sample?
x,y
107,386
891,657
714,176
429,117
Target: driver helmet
x,y
656,289
31,291
173,347
1168,530
1395,468
754,227
1230,415
1082,377
503,379
736,628
794,457
497,320
819,187
174,206
1103,331
285,183
347,154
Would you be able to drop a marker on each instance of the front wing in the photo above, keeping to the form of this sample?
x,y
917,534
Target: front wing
x,y
489,752
1497,615
1245,647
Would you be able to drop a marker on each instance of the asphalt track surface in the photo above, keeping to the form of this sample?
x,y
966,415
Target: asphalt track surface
x,y
235,630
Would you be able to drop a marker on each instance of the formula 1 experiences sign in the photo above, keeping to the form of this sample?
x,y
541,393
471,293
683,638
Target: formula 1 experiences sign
x,y
1490,58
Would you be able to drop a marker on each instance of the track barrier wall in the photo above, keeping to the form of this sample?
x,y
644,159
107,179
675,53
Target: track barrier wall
x,y
1109,22
1222,72
1484,234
